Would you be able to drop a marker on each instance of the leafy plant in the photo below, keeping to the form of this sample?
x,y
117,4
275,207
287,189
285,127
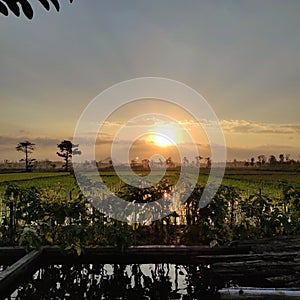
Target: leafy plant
x,y
65,217
30,239
119,235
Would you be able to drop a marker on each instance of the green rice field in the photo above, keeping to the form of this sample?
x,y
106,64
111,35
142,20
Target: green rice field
x,y
247,181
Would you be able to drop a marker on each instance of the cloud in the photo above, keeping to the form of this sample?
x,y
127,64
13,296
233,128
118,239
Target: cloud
x,y
111,123
245,139
39,141
244,126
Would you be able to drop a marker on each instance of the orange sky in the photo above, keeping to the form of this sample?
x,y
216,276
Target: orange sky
x,y
242,56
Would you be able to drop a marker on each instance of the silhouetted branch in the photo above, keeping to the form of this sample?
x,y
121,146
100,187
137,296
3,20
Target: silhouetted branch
x,y
16,6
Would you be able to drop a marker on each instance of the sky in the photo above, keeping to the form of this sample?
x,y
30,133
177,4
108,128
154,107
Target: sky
x,y
241,56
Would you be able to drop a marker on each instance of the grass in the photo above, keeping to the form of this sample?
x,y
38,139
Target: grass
x,y
269,182
247,180
40,180
12,177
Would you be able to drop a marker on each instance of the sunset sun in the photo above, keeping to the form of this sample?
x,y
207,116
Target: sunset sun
x,y
164,135
162,141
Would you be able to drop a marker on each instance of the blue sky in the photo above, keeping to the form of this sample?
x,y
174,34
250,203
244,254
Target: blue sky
x,y
242,56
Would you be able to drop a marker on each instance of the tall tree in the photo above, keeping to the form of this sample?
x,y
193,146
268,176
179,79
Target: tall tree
x,y
67,150
27,148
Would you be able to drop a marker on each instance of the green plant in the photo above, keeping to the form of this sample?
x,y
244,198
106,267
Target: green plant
x,y
29,238
119,235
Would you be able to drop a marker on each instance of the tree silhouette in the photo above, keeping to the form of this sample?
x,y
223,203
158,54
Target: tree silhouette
x,y
272,160
281,158
16,6
208,162
185,161
67,150
27,148
169,163
261,160
198,159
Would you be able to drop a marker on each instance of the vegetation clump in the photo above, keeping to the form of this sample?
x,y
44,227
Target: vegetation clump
x,y
58,217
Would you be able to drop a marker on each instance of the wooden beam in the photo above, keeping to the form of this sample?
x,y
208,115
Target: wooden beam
x,y
259,293
18,270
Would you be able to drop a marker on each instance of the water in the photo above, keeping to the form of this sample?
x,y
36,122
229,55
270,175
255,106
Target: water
x,y
116,281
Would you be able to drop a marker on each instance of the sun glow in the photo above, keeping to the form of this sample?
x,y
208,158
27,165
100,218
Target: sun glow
x,y
162,141
164,135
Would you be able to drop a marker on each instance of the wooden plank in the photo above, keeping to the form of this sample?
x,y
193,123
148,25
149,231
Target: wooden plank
x,y
12,252
258,293
160,249
19,269
270,256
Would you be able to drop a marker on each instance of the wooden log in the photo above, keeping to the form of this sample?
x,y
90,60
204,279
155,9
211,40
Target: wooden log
x,y
288,279
270,256
258,293
282,243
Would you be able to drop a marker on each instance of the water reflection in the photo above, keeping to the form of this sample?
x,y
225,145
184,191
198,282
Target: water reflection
x,y
117,281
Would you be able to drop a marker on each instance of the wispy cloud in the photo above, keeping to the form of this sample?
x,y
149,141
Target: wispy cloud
x,y
41,141
111,123
244,126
